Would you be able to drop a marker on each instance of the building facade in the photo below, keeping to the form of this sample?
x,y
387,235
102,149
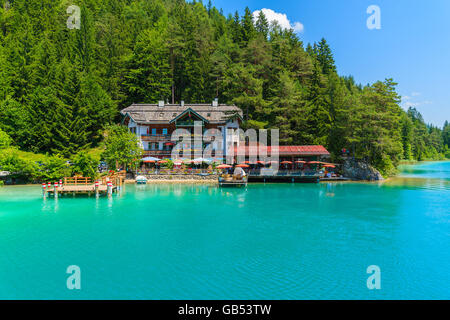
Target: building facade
x,y
154,124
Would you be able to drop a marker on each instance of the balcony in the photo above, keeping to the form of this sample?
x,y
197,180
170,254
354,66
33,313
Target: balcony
x,y
158,153
166,137
156,137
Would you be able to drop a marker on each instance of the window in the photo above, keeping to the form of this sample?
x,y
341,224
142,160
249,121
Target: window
x,y
161,146
209,114
164,131
154,131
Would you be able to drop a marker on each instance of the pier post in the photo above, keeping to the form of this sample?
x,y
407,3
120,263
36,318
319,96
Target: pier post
x,y
56,189
96,187
109,188
43,189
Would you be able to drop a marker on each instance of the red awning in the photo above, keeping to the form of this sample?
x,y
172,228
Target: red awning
x,y
283,150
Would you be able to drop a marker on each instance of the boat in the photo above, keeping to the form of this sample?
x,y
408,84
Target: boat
x,y
238,179
141,180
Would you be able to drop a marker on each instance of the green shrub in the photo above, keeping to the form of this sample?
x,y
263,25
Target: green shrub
x,y
53,168
386,167
5,140
21,168
84,164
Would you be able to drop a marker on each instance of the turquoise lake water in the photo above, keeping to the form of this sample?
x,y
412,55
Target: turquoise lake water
x,y
273,241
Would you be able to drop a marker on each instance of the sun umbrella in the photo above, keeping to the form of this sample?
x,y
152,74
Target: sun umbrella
x,y
273,161
162,161
198,160
314,162
224,166
300,161
242,166
260,162
150,159
329,166
286,162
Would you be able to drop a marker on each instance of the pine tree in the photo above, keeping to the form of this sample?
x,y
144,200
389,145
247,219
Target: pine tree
x,y
248,27
262,24
325,57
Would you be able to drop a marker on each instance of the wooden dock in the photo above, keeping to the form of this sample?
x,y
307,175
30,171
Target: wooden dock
x,y
84,186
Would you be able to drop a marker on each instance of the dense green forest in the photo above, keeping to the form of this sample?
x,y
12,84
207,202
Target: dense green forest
x,y
60,87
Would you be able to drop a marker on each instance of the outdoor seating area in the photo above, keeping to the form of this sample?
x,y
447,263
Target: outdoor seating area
x,y
151,166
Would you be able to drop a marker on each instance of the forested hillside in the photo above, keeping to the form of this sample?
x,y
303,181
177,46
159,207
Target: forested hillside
x,y
60,87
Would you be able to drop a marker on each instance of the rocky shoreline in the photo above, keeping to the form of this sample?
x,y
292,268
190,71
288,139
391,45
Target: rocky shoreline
x,y
361,171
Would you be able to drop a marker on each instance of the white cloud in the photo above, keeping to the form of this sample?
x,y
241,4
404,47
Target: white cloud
x,y
408,104
281,18
411,104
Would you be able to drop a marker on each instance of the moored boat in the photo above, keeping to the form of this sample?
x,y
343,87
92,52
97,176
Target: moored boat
x,y
141,180
238,179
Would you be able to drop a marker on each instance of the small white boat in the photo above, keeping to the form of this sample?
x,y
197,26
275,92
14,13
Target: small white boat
x,y
141,180
238,179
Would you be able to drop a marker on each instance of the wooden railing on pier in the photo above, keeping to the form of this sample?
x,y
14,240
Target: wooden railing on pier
x,y
75,181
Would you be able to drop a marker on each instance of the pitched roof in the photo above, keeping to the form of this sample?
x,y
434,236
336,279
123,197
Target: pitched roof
x,y
153,114
188,111
286,150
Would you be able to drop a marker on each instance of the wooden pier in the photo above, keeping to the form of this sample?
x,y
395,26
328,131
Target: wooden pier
x,y
84,186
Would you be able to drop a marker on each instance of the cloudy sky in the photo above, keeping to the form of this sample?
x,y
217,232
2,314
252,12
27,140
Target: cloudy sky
x,y
412,46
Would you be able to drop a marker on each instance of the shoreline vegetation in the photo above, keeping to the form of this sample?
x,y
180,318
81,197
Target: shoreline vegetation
x,y
61,89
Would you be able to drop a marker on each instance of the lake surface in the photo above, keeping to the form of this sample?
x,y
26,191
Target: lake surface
x,y
273,241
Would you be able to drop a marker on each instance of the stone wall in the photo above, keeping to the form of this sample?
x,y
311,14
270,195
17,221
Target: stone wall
x,y
178,177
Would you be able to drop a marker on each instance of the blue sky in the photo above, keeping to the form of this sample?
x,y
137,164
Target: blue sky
x,y
412,46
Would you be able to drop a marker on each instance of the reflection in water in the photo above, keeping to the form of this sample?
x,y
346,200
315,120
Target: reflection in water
x,y
419,183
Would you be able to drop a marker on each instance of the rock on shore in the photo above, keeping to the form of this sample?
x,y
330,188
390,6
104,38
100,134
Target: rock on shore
x,y
360,170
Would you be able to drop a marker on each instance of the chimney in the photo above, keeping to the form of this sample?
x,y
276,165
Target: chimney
x,y
182,103
161,103
215,102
